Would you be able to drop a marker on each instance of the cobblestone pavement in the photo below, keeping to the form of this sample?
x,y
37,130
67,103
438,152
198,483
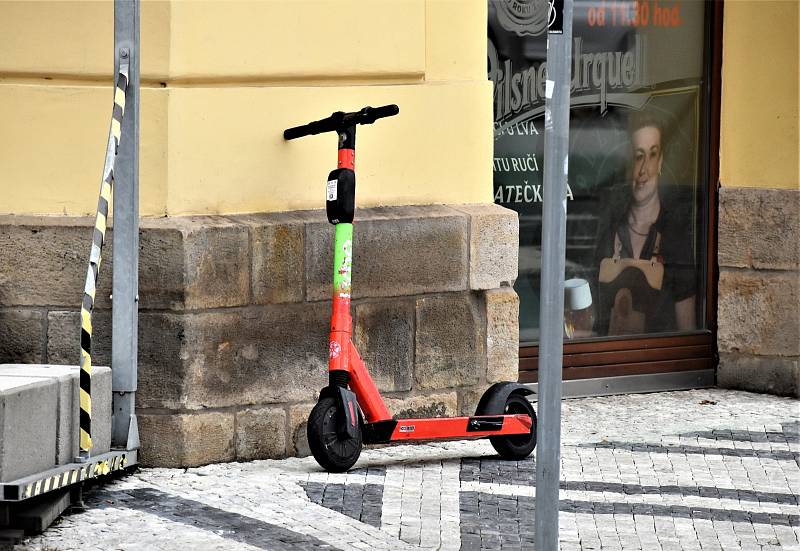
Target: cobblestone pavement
x,y
705,469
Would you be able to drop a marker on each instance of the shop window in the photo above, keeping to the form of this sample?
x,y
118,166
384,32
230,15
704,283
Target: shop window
x,y
638,170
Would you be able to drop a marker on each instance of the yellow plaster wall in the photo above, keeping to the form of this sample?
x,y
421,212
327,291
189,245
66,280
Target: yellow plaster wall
x,y
452,49
436,151
52,148
221,80
759,127
74,39
309,39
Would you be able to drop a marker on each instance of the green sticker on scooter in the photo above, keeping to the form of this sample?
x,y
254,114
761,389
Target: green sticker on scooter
x,y
343,260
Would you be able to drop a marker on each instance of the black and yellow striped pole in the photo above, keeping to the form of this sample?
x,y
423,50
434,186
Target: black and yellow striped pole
x,y
96,254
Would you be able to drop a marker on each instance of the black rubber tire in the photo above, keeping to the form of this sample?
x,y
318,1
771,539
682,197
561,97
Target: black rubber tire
x,y
334,453
518,446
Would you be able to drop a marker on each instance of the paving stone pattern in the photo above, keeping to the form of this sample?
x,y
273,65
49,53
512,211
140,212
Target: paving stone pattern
x,y
359,501
700,470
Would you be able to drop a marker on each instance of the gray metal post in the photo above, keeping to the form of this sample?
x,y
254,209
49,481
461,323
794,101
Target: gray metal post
x,y
551,313
126,237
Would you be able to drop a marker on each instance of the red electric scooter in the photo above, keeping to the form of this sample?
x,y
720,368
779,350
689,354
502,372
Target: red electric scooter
x,y
350,411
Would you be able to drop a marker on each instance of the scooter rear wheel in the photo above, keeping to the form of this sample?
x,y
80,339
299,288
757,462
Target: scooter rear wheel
x,y
334,452
518,446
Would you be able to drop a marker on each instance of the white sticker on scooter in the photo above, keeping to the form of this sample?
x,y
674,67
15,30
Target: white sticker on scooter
x,y
335,349
332,187
407,428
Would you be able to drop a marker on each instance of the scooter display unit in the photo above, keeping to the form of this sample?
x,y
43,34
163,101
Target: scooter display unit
x,y
350,411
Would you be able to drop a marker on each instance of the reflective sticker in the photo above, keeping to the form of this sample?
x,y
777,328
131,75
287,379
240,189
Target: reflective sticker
x,y
549,86
352,413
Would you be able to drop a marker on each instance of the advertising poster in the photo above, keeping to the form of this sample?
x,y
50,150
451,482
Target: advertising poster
x,y
636,206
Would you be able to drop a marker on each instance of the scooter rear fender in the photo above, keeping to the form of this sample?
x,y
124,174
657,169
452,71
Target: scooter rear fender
x,y
493,401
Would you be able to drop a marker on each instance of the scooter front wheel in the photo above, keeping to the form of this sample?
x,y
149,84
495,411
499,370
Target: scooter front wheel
x,y
334,452
518,446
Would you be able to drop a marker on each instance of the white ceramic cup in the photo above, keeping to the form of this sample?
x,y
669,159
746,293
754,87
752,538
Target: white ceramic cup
x,y
577,294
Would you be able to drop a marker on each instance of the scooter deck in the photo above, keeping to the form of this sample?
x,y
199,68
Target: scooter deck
x,y
446,428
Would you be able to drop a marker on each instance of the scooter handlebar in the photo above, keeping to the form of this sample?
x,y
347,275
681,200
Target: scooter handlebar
x,y
341,120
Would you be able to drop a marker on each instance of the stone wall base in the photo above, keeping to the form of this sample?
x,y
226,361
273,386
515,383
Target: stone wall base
x,y
234,317
773,375
759,290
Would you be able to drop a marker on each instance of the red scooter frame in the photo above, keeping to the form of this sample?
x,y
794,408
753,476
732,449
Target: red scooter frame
x,y
350,410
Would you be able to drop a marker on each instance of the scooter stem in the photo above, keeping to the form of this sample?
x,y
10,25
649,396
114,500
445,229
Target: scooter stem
x,y
341,320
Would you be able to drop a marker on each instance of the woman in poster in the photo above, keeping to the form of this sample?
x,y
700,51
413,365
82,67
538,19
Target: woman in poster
x,y
646,277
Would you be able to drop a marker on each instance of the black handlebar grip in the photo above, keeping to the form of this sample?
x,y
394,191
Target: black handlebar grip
x,y
296,132
328,124
376,113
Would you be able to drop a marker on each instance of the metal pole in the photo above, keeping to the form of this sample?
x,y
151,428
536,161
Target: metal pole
x,y
551,313
126,237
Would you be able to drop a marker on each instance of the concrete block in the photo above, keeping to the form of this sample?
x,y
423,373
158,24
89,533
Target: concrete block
x,y
277,243
398,251
384,336
450,342
493,245
186,439
67,379
260,433
67,403
758,313
424,406
28,425
502,335
102,409
21,334
770,374
758,228
298,423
